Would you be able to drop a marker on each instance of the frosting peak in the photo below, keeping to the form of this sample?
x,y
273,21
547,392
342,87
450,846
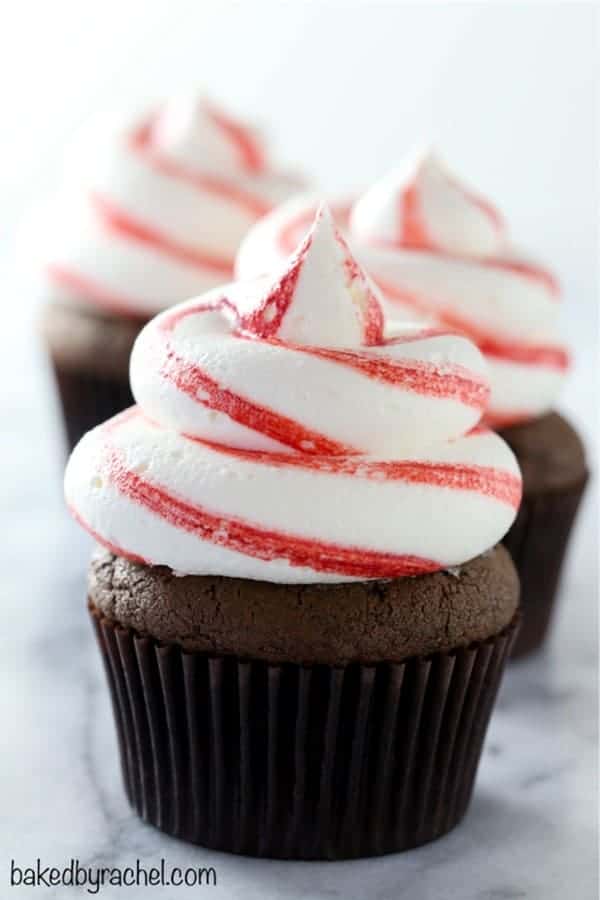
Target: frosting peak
x,y
440,255
266,446
421,205
196,134
322,298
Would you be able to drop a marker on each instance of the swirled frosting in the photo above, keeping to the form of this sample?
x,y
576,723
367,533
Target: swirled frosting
x,y
281,435
153,210
441,255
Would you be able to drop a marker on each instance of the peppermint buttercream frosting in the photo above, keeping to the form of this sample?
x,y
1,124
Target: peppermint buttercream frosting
x,y
280,433
153,208
441,254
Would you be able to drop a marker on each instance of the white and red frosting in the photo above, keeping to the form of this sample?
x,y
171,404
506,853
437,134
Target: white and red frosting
x,y
441,255
153,210
281,435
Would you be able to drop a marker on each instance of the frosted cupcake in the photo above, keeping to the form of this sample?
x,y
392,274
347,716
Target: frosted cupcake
x,y
441,254
151,212
298,595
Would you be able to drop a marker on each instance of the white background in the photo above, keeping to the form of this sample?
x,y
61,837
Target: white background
x,y
508,94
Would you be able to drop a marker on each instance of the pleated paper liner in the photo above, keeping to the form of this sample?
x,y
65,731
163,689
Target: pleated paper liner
x,y
88,400
538,542
299,762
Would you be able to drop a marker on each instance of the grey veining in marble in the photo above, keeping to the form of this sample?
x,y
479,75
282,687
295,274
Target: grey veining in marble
x,y
531,830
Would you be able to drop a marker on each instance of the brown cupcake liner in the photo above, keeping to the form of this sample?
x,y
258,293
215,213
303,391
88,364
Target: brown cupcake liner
x,y
538,542
88,400
299,762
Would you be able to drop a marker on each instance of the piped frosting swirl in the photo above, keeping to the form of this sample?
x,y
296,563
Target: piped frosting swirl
x,y
153,209
441,255
282,434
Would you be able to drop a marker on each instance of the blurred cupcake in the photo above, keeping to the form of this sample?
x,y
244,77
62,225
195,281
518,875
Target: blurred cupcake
x,y
299,599
441,255
152,212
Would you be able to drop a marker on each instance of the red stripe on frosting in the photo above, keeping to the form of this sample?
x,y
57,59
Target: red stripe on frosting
x,y
413,237
548,355
373,313
192,380
528,270
141,143
250,153
515,267
125,225
169,320
423,378
491,482
114,548
453,382
265,321
412,231
258,542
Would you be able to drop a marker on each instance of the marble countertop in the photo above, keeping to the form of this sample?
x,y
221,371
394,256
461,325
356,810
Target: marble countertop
x,y
531,829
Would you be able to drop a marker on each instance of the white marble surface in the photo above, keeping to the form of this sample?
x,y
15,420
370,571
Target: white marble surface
x,y
531,830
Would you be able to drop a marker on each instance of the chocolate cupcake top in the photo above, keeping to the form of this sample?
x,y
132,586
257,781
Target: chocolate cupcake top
x,y
282,436
153,208
442,254
334,624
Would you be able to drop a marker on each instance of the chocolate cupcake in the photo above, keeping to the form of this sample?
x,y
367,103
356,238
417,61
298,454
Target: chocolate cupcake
x,y
552,459
300,604
152,213
441,255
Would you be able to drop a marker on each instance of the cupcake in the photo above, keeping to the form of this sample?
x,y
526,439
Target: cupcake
x,y
441,255
151,213
298,594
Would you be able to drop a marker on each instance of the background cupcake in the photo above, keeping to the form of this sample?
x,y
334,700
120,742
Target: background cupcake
x,y
151,212
301,610
441,254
